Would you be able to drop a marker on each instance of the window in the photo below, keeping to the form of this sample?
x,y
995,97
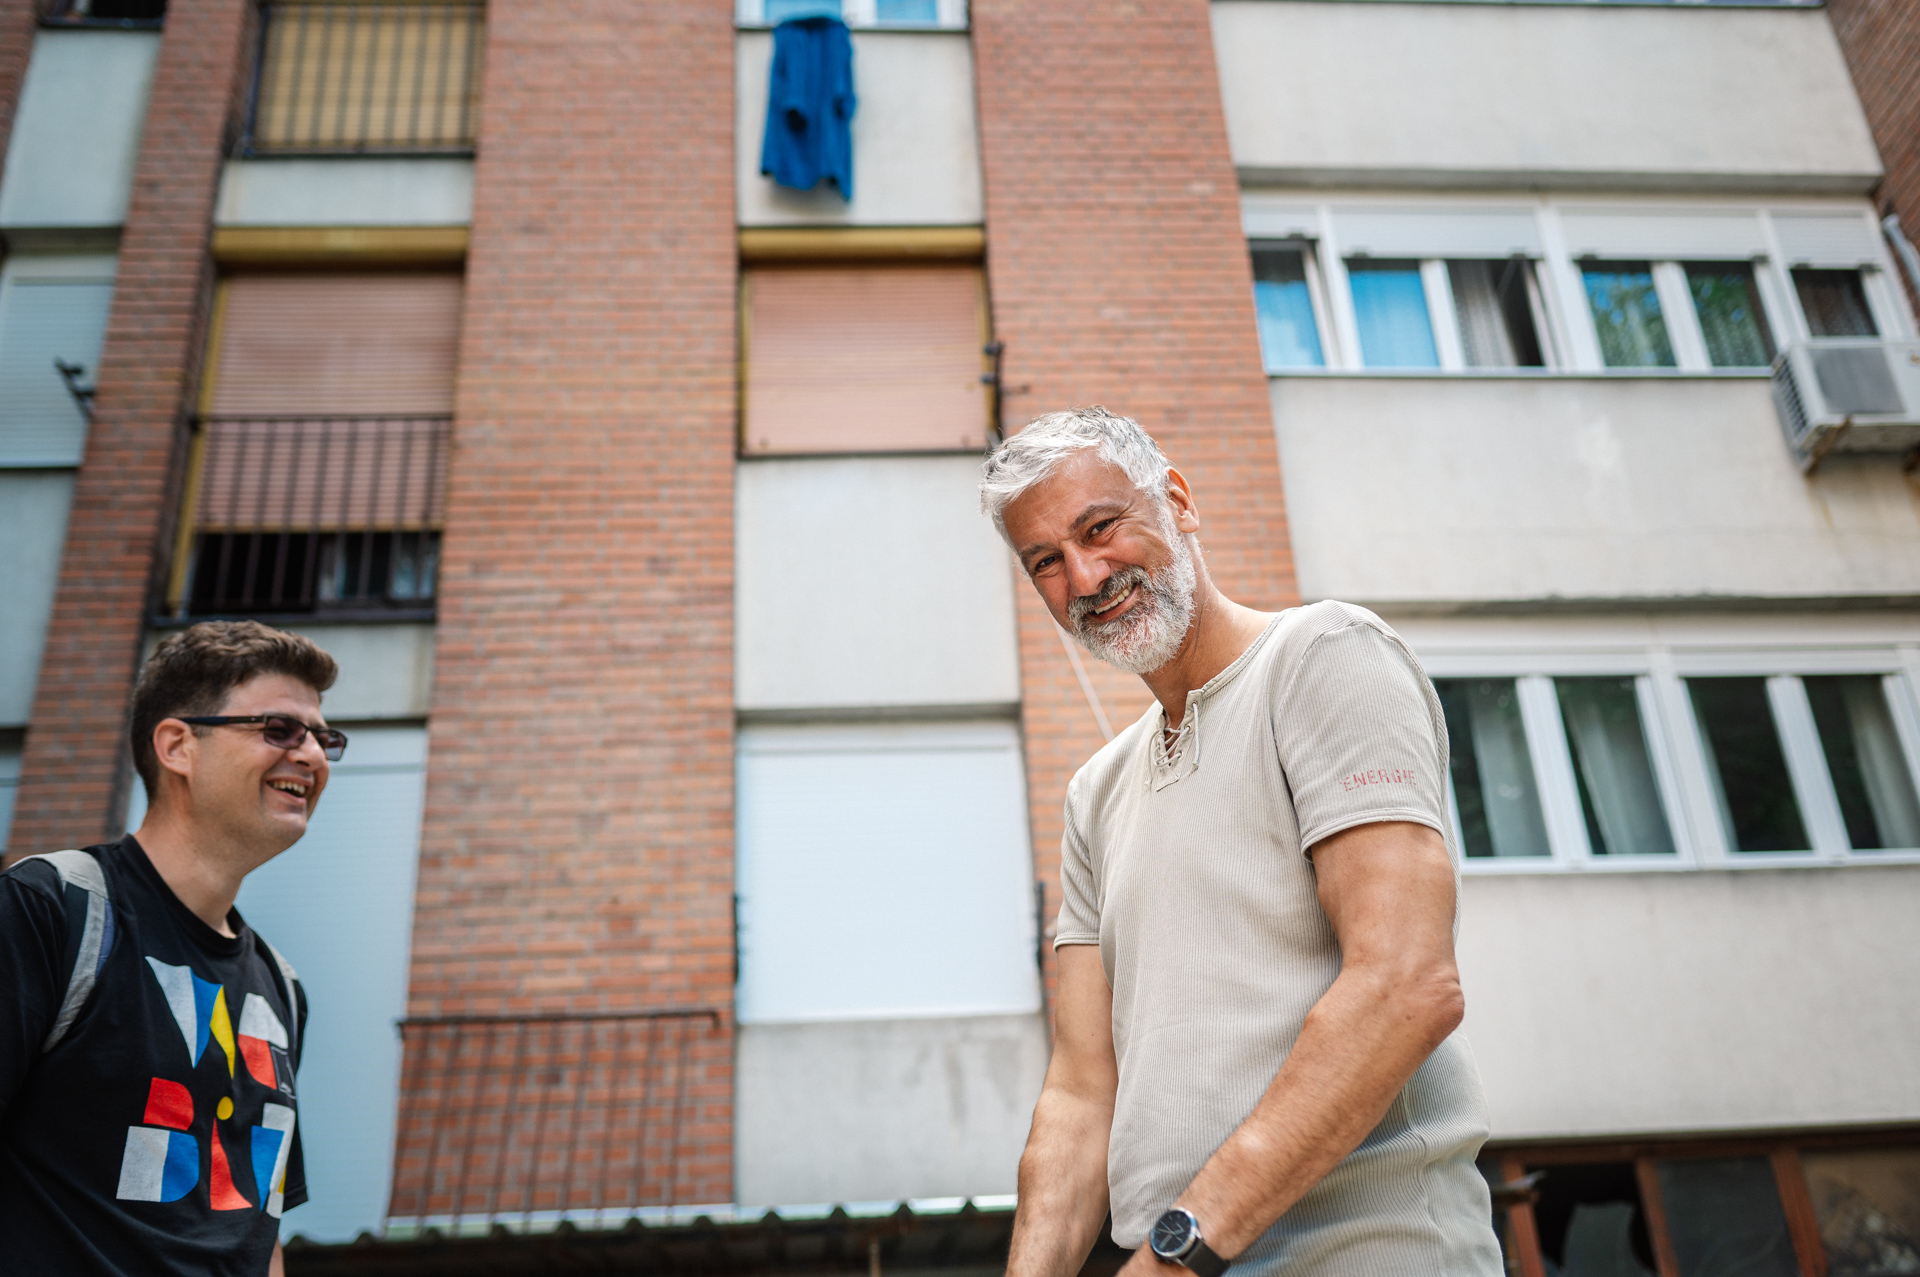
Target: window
x,y
318,478
1712,760
1732,319
852,836
1691,286
1835,303
1283,300
51,309
1626,315
1494,302
1704,1209
348,78
948,14
863,359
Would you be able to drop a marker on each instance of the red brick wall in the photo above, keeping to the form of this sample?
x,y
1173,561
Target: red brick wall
x,y
578,844
1881,39
1120,276
75,755
16,47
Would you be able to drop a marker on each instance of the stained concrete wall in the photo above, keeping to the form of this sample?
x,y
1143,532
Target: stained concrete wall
x,y
33,528
77,129
916,142
884,1110
1500,94
908,604
388,191
1424,490
1648,1002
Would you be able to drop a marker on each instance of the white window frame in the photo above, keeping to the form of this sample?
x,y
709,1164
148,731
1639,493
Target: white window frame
x,y
1557,292
1677,750
860,15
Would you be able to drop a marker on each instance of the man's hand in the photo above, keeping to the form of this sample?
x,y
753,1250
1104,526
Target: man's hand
x,y
1063,1173
1388,890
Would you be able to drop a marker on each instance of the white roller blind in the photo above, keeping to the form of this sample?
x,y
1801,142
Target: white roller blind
x,y
1437,232
884,872
49,309
1842,240
1664,234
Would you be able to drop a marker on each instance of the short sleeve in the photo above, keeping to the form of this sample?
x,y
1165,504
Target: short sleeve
x,y
1079,921
1360,736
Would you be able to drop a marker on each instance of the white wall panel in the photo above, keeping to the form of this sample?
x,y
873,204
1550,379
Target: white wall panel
x,y
386,191
884,871
909,604
51,307
1602,1004
33,533
1699,96
916,142
76,131
339,905
1425,490
884,1110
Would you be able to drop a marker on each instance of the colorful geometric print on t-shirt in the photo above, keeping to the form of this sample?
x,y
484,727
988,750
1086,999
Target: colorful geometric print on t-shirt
x,y
162,1160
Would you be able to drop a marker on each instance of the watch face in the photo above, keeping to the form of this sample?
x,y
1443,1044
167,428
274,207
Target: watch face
x,y
1172,1234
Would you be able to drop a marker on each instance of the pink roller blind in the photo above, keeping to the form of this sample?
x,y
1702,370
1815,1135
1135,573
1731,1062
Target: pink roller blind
x,y
873,359
337,345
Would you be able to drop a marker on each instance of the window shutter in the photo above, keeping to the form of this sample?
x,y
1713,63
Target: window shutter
x,y
1437,232
874,359
51,309
337,345
1663,235
1844,241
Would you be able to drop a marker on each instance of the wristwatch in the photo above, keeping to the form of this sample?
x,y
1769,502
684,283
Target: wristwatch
x,y
1176,1239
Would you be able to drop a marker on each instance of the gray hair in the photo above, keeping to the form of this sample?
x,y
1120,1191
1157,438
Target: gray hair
x,y
1030,456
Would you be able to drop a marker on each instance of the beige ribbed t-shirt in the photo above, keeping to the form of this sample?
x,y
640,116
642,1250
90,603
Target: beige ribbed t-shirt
x,y
1188,868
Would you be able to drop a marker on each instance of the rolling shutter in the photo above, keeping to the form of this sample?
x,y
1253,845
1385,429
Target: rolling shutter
x,y
873,359
337,345
50,308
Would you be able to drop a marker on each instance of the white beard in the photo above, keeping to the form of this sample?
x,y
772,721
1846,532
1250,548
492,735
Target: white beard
x,y
1148,634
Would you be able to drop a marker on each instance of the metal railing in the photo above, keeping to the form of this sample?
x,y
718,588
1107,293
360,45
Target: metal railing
x,y
528,1120
314,515
353,79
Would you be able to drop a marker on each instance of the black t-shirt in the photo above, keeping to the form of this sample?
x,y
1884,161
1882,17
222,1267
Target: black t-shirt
x,y
158,1136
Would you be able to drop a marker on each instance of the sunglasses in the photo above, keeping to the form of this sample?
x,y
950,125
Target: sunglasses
x,y
281,731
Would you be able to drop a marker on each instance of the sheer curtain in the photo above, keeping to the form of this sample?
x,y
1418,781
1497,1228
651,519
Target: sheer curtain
x,y
1617,788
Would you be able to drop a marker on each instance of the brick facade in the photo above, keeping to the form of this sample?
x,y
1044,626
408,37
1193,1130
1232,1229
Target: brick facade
x,y
578,845
75,761
17,19
1881,40
1120,276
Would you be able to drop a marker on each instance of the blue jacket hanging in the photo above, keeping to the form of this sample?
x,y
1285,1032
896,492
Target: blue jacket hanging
x,y
810,105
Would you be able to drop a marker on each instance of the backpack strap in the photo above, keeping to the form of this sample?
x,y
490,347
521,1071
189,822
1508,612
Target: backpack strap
x,y
80,871
287,978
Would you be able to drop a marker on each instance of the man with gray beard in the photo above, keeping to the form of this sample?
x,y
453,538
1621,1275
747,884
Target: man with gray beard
x,y
1256,1062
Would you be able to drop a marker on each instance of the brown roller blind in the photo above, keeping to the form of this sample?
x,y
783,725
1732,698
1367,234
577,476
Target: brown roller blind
x,y
337,345
311,475
875,359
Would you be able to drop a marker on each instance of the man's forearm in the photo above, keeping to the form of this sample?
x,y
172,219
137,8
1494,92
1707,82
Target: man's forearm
x,y
1362,1043
1063,1186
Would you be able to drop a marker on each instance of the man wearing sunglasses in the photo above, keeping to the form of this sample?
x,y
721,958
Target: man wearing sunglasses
x,y
148,1037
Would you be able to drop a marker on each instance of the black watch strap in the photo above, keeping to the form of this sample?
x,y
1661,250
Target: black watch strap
x,y
1203,1261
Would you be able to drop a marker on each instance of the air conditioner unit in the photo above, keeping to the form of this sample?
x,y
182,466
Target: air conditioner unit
x,y
1848,394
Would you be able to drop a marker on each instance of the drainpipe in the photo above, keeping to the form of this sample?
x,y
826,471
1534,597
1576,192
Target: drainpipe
x,y
1903,249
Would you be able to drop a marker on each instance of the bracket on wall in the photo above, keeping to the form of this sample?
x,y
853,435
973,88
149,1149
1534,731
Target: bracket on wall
x,y
71,374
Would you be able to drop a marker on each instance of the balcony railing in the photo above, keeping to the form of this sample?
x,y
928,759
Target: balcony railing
x,y
313,515
353,79
527,1121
